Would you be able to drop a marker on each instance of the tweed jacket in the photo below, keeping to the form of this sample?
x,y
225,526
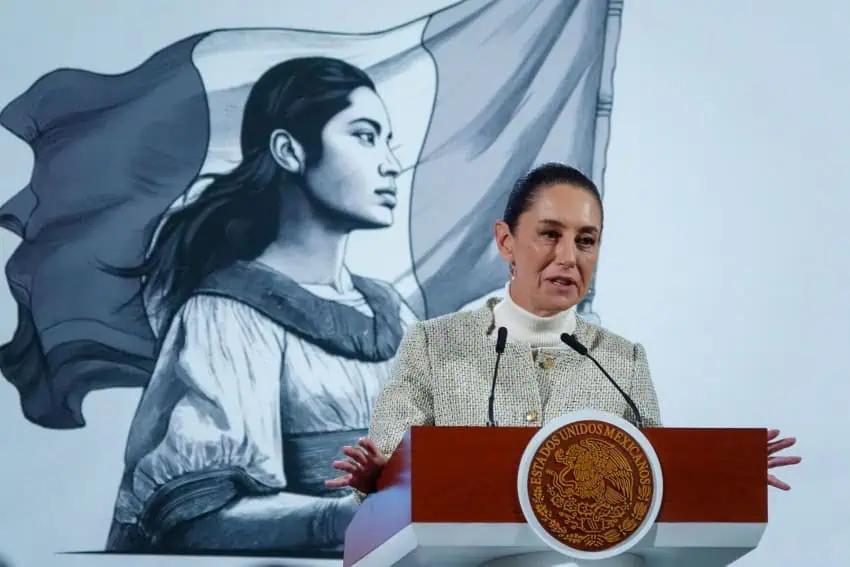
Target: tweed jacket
x,y
445,366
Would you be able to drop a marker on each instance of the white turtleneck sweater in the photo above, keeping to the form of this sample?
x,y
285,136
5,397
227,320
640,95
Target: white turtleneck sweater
x,y
528,328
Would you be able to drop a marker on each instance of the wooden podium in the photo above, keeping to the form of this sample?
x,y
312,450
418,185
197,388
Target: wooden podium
x,y
448,497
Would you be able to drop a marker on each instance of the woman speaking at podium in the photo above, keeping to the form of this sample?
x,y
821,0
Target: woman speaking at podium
x,y
525,359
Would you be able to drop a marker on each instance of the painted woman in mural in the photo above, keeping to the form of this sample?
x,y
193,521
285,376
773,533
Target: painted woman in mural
x,y
270,352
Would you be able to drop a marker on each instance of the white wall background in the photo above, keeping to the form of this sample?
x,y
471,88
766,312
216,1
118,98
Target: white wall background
x,y
725,253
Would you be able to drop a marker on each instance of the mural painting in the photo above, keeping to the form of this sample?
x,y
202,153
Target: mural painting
x,y
186,228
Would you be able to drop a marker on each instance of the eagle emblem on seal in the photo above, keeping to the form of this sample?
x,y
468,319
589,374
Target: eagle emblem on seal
x,y
594,487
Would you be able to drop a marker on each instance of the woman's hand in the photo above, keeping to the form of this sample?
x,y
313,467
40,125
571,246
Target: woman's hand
x,y
774,447
364,465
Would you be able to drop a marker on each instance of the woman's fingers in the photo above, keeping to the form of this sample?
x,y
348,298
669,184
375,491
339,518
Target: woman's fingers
x,y
347,466
339,481
356,454
364,463
781,485
773,462
366,453
369,446
372,450
777,446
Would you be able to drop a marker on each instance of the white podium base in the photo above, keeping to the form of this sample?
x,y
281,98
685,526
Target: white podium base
x,y
477,545
553,559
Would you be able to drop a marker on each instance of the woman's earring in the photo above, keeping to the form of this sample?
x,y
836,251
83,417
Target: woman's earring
x,y
513,271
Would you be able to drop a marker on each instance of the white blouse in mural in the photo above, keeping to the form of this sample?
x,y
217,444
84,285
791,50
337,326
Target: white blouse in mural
x,y
233,390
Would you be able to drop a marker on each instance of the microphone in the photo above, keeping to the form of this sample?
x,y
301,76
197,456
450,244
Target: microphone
x,y
573,343
501,340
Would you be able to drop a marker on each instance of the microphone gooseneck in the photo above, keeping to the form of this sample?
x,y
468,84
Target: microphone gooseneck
x,y
573,343
501,340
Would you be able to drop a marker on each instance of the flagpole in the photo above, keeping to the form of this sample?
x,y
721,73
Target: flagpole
x,y
602,134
